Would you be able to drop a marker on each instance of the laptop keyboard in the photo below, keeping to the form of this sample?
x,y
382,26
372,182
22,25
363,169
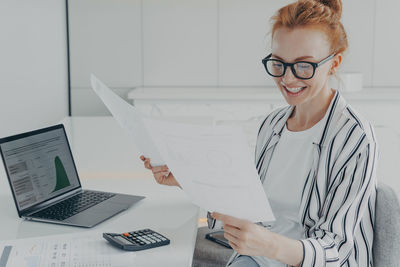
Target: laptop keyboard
x,y
73,205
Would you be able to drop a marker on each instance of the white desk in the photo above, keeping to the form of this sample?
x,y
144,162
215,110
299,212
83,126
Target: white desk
x,y
107,161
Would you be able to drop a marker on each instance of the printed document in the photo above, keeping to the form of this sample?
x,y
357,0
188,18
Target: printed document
x,y
128,118
213,164
76,250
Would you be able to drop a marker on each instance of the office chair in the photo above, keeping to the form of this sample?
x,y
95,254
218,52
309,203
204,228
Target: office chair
x,y
386,246
208,253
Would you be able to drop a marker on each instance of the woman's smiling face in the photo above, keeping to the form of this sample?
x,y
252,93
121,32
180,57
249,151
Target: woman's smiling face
x,y
302,44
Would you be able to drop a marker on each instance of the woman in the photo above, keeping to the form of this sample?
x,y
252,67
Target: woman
x,y
316,157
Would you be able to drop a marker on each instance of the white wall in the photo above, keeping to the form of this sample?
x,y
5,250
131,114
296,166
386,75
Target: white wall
x,y
33,64
386,44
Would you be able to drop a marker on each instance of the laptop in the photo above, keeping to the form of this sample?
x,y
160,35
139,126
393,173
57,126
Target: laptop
x,y
45,183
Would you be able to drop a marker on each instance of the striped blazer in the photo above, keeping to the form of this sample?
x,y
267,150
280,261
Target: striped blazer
x,y
337,207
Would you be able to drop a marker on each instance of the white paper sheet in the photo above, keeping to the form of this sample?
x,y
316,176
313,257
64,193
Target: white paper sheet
x,y
128,118
213,164
75,250
214,167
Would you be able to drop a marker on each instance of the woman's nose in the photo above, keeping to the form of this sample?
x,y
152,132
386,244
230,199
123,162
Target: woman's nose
x,y
289,76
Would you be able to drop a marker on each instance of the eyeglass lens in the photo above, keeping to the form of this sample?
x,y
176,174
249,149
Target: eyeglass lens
x,y
302,69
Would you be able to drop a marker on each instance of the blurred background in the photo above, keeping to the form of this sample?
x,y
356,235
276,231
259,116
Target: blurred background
x,y
188,60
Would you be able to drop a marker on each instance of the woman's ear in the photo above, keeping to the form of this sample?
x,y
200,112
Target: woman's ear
x,y
336,61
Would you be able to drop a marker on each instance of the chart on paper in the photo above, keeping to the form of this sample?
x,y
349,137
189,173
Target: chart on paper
x,y
63,251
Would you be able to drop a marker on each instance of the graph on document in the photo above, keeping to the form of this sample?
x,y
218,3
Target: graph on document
x,y
63,252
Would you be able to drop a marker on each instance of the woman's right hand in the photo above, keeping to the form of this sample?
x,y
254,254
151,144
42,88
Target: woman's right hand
x,y
162,174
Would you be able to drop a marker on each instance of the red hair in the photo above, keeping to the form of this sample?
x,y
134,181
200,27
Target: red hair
x,y
322,14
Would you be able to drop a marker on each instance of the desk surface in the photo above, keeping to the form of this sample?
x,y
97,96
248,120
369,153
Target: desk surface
x,y
107,160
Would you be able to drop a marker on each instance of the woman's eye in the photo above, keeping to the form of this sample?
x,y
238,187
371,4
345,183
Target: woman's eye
x,y
303,66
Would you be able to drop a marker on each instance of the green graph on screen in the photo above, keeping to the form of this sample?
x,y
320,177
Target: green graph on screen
x,y
61,175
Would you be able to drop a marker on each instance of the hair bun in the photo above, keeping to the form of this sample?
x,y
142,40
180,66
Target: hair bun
x,y
334,5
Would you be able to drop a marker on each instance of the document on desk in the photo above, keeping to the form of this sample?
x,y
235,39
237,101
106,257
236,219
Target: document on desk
x,y
67,250
129,119
214,166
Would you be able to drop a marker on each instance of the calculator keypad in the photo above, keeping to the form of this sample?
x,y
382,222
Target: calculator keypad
x,y
138,240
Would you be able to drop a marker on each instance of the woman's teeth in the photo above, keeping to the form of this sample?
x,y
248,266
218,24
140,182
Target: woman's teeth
x,y
294,90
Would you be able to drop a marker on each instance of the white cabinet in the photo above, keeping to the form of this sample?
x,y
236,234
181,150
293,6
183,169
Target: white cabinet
x,y
244,40
179,42
105,39
219,103
387,42
359,27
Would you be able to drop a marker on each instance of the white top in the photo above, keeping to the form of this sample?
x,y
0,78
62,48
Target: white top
x,y
285,180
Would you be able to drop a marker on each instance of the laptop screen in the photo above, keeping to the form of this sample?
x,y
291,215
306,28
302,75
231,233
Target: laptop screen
x,y
39,165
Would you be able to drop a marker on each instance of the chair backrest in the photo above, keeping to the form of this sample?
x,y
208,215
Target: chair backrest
x,y
386,247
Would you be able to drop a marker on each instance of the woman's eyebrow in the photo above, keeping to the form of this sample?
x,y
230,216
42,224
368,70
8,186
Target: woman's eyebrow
x,y
297,59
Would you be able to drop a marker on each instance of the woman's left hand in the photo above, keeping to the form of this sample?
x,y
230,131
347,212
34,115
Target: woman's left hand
x,y
247,238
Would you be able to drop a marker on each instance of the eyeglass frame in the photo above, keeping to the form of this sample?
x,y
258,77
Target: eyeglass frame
x,y
315,65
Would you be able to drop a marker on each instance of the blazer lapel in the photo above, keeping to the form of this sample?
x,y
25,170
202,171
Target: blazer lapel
x,y
321,140
266,154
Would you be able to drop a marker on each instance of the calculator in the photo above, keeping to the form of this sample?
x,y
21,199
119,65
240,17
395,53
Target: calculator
x,y
137,240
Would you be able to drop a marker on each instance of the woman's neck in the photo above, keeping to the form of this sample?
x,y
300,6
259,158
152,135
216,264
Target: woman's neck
x,y
307,114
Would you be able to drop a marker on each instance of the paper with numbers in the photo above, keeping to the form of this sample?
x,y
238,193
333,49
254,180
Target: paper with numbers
x,y
73,250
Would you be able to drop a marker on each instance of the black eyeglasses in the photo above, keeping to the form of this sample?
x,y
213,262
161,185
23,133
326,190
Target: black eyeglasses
x,y
301,69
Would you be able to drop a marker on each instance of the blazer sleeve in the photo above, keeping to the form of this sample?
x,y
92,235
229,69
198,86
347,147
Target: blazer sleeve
x,y
331,240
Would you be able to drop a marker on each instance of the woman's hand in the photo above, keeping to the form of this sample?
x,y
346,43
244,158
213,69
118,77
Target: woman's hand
x,y
251,239
161,173
247,238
